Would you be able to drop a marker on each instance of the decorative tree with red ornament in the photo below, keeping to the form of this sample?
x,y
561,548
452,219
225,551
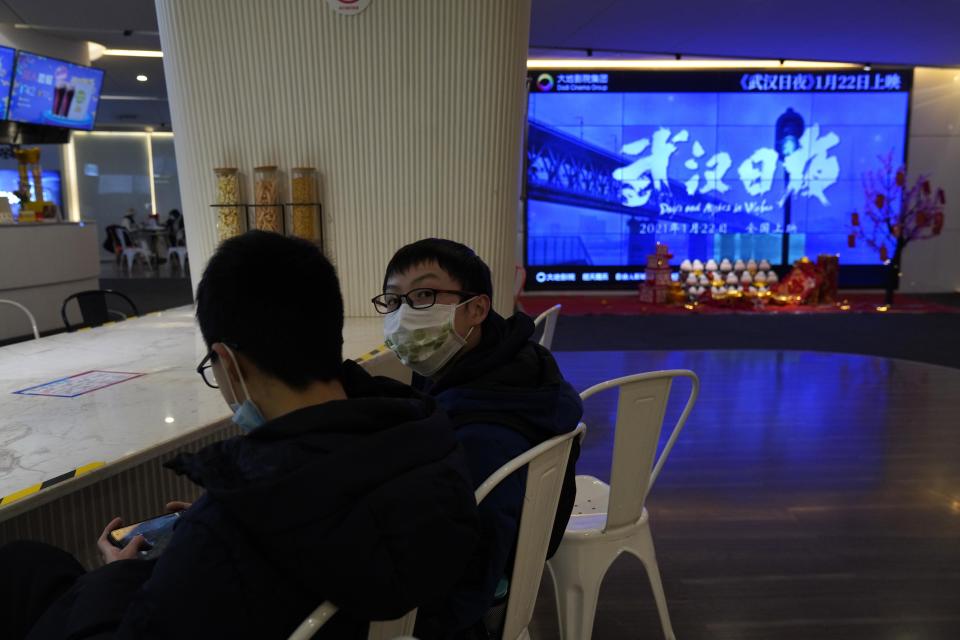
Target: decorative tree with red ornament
x,y
896,213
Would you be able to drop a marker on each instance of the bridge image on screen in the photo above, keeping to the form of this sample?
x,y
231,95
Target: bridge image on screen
x,y
711,174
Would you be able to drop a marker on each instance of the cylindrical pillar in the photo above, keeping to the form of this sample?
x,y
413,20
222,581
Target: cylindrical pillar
x,y
412,113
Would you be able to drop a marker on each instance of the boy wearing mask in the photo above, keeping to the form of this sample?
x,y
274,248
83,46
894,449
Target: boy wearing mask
x,y
343,487
504,393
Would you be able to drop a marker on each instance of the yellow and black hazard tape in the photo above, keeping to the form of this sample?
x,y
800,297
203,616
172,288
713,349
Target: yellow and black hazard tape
x,y
373,354
29,491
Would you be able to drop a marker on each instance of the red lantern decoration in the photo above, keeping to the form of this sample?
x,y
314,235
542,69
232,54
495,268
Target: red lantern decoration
x,y
925,187
883,254
941,197
851,241
937,223
922,219
855,219
901,178
879,201
896,231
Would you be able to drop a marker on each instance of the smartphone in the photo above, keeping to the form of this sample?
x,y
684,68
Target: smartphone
x,y
156,531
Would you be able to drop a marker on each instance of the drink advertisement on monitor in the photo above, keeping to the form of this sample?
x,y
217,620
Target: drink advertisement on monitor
x,y
715,165
53,92
6,73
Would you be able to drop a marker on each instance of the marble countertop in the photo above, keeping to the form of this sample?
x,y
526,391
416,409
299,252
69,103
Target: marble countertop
x,y
42,437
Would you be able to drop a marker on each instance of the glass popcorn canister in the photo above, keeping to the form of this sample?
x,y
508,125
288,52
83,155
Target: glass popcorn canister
x,y
268,214
303,198
229,220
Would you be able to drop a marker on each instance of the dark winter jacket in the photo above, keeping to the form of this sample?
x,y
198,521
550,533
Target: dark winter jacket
x,y
504,396
365,502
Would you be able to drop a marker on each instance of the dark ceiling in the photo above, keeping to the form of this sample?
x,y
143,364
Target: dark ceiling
x,y
875,31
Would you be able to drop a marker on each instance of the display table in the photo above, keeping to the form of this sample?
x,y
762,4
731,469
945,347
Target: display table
x,y
131,426
40,265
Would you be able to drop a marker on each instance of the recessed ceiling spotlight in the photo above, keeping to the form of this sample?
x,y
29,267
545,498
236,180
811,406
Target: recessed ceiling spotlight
x,y
142,78
867,67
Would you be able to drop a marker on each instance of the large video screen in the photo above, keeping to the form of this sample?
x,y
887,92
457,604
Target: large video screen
x,y
53,92
714,165
6,72
10,181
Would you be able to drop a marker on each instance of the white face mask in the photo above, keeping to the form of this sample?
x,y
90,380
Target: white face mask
x,y
424,339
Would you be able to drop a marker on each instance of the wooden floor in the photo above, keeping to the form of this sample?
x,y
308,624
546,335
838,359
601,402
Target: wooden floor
x,y
811,495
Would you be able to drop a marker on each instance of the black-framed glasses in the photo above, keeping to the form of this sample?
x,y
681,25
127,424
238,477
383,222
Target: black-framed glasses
x,y
422,298
205,368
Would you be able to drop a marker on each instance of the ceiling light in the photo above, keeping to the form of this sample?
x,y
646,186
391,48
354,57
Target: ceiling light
x,y
169,420
141,78
684,63
133,53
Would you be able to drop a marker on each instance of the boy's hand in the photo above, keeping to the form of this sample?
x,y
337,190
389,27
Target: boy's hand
x,y
110,553
176,505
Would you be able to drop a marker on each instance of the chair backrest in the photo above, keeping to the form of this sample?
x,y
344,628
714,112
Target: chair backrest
x,y
387,630
124,238
93,307
546,464
519,279
549,320
640,411
33,321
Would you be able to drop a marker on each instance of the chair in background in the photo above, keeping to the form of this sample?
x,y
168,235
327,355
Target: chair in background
x,y
608,520
519,279
129,252
546,464
387,630
94,310
549,320
33,321
179,250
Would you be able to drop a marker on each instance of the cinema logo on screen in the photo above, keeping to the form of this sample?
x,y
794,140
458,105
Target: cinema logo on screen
x,y
582,82
555,276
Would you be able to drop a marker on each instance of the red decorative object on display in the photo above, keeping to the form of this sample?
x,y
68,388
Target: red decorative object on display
x,y
896,213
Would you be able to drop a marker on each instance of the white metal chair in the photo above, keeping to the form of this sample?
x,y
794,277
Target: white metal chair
x,y
549,320
179,250
387,630
546,464
129,252
519,279
608,520
33,321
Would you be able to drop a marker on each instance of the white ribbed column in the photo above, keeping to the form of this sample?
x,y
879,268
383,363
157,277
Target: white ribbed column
x,y
412,112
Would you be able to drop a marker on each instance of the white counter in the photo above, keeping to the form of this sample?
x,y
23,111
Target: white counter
x,y
42,437
40,265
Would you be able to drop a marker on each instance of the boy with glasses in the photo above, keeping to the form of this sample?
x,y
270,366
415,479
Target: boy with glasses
x,y
343,487
504,393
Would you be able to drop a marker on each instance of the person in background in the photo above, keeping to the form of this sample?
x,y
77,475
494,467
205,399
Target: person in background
x,y
174,227
504,393
343,487
129,221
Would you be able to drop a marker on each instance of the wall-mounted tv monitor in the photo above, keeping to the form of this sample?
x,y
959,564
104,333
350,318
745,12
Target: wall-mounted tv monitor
x,y
53,92
10,180
7,56
735,164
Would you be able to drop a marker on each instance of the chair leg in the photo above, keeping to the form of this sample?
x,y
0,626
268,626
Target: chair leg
x,y
643,549
576,586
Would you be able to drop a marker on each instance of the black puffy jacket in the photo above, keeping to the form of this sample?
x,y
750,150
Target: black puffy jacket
x,y
365,502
